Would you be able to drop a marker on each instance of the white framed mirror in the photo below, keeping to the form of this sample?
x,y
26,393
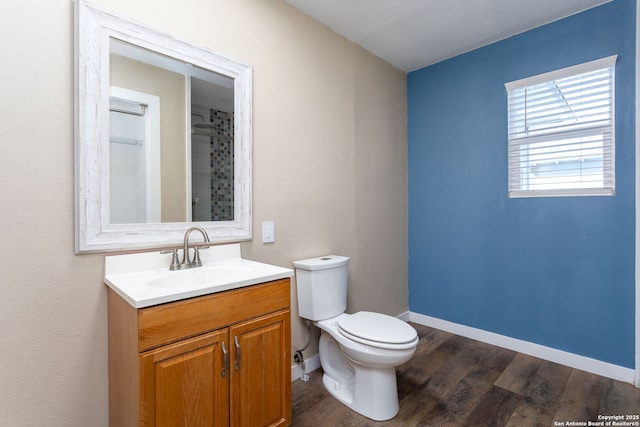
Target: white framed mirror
x,y
163,137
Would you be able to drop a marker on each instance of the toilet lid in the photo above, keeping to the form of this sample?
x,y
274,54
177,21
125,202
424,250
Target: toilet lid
x,y
377,327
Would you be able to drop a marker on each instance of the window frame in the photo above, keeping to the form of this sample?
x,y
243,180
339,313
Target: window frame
x,y
517,143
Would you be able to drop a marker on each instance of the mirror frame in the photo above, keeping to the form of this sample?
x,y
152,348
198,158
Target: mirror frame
x,y
93,233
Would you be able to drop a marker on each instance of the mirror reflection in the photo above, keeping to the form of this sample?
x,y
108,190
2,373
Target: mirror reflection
x,y
171,143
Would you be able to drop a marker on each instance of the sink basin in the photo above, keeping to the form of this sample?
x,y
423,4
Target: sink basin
x,y
206,275
144,279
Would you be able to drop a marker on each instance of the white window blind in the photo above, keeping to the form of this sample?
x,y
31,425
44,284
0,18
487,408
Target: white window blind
x,y
561,132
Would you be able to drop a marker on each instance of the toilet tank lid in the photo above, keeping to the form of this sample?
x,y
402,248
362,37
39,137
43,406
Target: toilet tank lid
x,y
322,262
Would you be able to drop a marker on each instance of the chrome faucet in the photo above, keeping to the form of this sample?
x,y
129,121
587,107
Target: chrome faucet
x,y
186,260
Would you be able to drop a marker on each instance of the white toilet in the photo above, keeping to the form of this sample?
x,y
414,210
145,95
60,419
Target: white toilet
x,y
358,352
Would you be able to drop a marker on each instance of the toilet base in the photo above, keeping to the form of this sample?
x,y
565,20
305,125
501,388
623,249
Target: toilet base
x,y
372,392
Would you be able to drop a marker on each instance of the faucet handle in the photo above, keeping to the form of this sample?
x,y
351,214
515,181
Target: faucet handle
x,y
196,258
175,263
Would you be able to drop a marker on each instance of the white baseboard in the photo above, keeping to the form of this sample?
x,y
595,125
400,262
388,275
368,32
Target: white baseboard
x,y
310,364
406,316
583,363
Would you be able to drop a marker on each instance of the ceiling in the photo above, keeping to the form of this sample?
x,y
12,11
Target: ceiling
x,y
412,34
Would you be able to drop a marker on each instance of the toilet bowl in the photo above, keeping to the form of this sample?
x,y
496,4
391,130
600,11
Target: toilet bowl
x,y
358,352
362,374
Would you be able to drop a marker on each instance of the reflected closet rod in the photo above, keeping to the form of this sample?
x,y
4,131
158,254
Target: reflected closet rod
x,y
133,113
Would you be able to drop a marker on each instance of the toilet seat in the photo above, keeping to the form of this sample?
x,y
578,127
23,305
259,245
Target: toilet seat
x,y
377,330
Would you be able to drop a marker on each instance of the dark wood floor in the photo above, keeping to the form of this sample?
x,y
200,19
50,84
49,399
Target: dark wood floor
x,y
456,381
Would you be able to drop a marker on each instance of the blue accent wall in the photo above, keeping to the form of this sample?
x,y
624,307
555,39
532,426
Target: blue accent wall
x,y
554,271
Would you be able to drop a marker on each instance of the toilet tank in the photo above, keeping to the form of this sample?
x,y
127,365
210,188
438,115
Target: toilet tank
x,y
322,286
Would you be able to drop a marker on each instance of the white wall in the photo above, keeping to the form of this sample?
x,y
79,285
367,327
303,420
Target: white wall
x,y
330,169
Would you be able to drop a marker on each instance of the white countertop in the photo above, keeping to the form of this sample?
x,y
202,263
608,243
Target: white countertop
x,y
144,279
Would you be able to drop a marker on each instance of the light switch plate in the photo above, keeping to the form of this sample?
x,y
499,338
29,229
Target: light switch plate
x,y
268,232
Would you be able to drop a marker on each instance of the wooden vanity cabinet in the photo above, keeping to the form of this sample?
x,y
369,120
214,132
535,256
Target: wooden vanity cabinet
x,y
217,360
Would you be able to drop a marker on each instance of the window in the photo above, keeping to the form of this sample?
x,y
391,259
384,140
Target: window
x,y
561,132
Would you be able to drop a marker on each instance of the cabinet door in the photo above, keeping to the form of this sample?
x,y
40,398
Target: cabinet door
x,y
183,384
260,371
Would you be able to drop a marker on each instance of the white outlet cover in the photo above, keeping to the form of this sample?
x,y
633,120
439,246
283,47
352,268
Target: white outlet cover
x,y
268,232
